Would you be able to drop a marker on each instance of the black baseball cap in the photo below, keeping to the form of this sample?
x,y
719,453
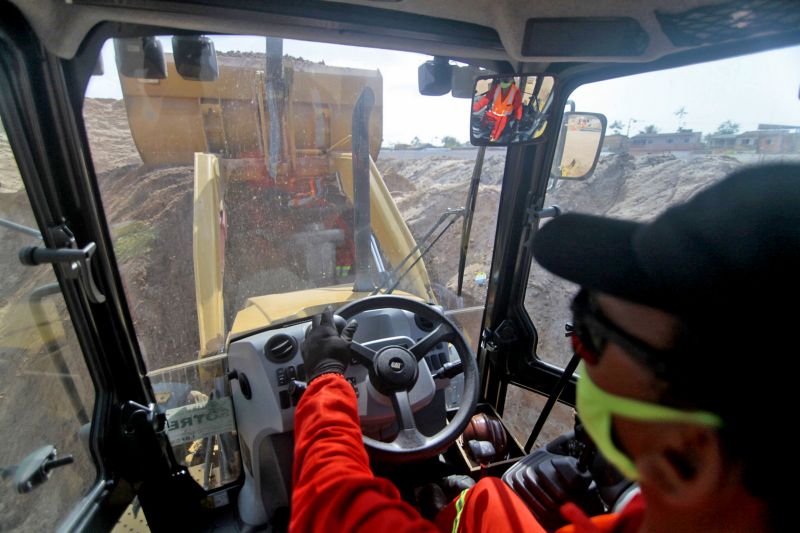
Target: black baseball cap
x,y
727,264
730,254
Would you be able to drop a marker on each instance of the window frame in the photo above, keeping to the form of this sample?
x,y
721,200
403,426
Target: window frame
x,y
41,114
515,362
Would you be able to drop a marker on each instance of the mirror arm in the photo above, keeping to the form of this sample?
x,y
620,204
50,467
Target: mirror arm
x,y
469,210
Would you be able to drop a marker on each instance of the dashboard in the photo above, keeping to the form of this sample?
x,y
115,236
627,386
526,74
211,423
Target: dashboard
x,y
266,363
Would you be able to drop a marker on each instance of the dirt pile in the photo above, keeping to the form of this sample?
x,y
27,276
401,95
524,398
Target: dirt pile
x,y
623,186
109,134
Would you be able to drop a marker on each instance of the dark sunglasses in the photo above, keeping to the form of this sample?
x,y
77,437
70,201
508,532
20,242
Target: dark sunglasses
x,y
591,331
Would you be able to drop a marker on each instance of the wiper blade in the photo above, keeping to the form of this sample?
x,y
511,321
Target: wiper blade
x,y
469,210
454,215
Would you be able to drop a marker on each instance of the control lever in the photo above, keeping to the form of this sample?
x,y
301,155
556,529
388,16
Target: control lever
x,y
296,390
449,370
482,451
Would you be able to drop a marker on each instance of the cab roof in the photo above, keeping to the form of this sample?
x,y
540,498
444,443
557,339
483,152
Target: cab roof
x,y
520,34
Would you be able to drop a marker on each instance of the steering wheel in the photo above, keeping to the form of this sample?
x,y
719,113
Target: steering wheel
x,y
393,371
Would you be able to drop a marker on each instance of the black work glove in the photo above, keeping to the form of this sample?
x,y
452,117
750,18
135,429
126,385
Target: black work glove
x,y
326,348
558,480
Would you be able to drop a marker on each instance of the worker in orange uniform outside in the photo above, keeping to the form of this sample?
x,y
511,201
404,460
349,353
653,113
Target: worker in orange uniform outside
x,y
506,100
673,321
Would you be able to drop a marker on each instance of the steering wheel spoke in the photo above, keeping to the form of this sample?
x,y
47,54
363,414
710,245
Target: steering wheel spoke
x,y
402,408
362,353
443,332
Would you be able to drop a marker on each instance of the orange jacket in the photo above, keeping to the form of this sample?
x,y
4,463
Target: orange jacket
x,y
502,105
335,490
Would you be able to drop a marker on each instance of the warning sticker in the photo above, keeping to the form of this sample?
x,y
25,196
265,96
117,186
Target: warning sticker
x,y
199,420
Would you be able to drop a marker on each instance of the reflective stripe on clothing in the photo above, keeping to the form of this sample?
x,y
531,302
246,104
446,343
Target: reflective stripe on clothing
x,y
488,507
502,107
459,509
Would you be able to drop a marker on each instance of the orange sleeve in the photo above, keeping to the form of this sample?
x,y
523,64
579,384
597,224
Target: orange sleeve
x,y
518,105
333,486
484,99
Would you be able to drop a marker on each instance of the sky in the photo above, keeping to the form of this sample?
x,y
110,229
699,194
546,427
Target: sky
x,y
759,88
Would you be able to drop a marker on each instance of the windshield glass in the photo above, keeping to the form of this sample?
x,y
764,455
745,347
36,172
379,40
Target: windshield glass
x,y
226,166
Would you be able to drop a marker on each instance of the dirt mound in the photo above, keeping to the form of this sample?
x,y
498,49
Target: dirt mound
x,y
442,169
152,213
109,134
623,186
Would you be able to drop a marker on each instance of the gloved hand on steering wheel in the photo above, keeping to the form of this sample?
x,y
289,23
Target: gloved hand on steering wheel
x,y
326,348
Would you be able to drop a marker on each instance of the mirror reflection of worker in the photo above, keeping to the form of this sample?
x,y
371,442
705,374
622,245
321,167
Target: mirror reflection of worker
x,y
501,102
672,323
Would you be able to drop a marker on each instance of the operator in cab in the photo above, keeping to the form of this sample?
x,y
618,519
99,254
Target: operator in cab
x,y
681,324
500,104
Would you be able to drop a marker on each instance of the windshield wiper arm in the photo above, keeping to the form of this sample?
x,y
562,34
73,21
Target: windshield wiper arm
x,y
453,214
469,210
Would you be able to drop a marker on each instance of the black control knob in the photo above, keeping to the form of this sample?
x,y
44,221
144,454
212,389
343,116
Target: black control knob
x,y
296,390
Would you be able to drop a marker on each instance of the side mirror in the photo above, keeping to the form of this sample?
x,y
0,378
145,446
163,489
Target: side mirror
x,y
140,57
579,145
511,109
434,77
195,57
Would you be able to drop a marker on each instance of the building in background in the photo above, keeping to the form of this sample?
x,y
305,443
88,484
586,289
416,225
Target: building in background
x,y
679,141
767,139
615,143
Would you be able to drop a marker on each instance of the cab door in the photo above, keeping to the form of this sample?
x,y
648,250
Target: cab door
x,y
79,432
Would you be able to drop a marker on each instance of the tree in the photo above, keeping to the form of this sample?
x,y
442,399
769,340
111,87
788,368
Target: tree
x,y
450,142
649,129
681,114
415,141
616,127
728,128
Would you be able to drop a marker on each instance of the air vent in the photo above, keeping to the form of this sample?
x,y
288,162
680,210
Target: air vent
x,y
280,348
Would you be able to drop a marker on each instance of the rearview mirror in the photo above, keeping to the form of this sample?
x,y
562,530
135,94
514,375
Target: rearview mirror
x,y
140,57
195,57
435,77
579,145
510,109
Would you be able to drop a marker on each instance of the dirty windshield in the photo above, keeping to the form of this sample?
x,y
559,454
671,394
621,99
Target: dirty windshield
x,y
226,166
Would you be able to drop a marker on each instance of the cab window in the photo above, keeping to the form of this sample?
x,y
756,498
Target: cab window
x,y
46,392
670,134
230,197
228,187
